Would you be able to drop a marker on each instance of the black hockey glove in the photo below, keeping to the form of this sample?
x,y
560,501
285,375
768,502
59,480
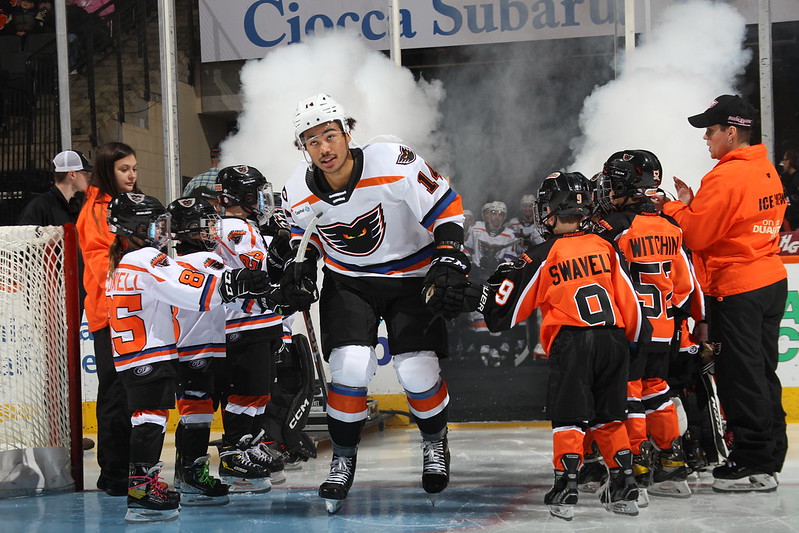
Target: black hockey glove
x,y
243,283
275,301
280,251
298,289
448,271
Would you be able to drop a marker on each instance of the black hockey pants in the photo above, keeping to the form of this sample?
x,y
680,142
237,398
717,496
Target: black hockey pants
x,y
747,327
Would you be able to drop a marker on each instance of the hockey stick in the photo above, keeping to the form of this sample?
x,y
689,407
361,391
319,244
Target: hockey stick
x,y
715,410
306,315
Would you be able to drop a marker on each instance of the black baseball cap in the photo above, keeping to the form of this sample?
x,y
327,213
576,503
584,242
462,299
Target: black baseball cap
x,y
727,109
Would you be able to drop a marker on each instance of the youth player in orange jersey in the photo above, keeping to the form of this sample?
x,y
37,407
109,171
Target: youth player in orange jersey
x,y
590,314
652,244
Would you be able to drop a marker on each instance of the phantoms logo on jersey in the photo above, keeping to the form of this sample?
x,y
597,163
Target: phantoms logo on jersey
x,y
161,260
360,237
236,236
406,156
213,263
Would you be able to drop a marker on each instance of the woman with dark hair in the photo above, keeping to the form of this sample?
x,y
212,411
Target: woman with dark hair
x,y
114,173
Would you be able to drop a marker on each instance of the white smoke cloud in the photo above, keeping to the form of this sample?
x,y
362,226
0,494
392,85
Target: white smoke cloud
x,y
384,99
693,54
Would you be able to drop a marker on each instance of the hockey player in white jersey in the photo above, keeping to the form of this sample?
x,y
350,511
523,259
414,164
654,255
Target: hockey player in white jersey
x,y
491,243
389,228
525,229
201,353
254,335
143,288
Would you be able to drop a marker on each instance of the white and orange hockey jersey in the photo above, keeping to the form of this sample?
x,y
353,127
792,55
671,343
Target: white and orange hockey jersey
x,y
201,334
487,250
242,246
382,223
143,292
526,232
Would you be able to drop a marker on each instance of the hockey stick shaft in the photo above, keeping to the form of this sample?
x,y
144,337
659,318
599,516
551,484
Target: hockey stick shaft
x,y
306,315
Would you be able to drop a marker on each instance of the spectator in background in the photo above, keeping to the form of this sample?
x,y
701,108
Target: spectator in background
x,y
93,6
207,178
62,202
114,173
790,184
26,18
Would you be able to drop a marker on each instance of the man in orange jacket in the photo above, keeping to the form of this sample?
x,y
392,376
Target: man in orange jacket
x,y
732,226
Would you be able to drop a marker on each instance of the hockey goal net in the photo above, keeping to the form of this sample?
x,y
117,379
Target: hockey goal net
x,y
40,422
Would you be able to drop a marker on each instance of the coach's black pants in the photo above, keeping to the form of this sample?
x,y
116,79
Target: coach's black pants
x,y
747,327
113,415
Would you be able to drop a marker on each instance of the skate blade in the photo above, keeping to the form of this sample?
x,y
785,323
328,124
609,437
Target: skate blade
x,y
671,489
565,512
141,515
332,506
240,485
277,478
623,507
201,500
756,483
643,498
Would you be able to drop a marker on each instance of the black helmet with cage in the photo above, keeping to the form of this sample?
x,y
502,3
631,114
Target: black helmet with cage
x,y
629,174
562,194
245,187
136,215
194,222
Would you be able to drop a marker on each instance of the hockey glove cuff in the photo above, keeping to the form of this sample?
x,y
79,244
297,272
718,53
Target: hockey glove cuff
x,y
243,283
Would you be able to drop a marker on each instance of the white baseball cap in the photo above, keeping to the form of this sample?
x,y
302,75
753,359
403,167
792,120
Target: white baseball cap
x,y
71,160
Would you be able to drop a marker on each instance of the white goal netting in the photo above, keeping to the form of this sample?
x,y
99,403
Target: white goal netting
x,y
35,435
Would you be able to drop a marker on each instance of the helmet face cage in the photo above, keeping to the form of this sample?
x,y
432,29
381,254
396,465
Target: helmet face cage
x,y
194,219
141,216
247,188
316,110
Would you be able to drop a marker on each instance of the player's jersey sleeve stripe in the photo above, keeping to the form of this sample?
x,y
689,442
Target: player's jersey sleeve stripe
x,y
208,293
128,266
377,180
451,198
406,264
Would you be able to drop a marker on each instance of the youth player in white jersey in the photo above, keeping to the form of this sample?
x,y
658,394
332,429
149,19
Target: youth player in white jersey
x,y
201,353
254,335
143,289
388,227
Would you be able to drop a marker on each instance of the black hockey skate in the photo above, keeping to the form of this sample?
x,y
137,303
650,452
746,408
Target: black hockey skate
x,y
730,477
260,454
642,470
435,470
197,486
619,494
562,497
148,498
337,485
670,475
593,473
239,471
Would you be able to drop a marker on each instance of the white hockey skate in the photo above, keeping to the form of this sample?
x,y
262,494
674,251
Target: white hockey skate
x,y
730,477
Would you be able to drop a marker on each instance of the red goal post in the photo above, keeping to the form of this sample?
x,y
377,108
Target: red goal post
x,y
40,392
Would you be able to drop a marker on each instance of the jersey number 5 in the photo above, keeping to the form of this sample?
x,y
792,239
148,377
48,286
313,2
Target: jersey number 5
x,y
130,327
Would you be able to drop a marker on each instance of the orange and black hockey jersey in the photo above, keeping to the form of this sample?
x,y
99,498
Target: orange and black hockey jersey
x,y
577,279
662,275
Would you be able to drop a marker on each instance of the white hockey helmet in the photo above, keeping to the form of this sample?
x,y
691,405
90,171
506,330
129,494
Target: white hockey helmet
x,y
495,206
317,110
528,199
